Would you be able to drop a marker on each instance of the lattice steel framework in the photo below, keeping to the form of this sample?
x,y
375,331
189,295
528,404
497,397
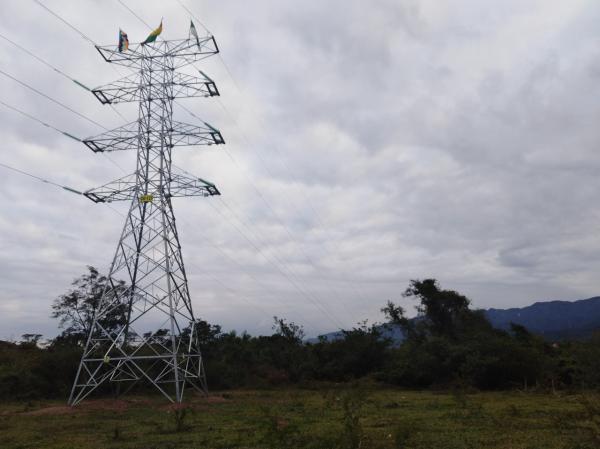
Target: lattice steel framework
x,y
147,285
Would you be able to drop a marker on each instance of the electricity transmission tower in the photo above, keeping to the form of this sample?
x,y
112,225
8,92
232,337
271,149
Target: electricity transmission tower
x,y
147,285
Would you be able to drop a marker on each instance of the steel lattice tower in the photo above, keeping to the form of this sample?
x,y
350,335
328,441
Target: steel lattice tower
x,y
147,282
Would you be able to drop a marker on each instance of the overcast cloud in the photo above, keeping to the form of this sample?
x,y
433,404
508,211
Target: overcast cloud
x,y
368,143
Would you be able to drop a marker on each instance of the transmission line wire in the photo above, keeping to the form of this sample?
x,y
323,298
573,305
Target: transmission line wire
x,y
302,291
268,205
65,22
133,12
211,275
40,121
51,99
262,197
60,72
277,150
282,159
275,215
63,74
45,181
261,158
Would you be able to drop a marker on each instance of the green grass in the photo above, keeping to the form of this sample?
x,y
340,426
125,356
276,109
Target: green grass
x,y
323,419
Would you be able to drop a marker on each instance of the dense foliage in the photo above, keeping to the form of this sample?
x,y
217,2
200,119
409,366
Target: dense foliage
x,y
448,345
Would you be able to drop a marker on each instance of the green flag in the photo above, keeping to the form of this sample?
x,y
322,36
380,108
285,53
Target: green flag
x,y
152,36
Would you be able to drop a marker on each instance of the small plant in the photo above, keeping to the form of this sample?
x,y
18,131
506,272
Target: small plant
x,y
591,417
391,405
402,434
278,432
514,411
177,415
467,407
352,404
459,395
116,433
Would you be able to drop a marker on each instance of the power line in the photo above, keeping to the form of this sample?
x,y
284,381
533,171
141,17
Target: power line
x,y
261,196
195,18
65,22
132,12
286,275
40,121
46,63
45,181
57,70
219,55
279,153
51,99
266,288
282,159
314,299
60,72
261,158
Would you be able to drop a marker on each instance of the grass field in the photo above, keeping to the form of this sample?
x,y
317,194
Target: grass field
x,y
333,418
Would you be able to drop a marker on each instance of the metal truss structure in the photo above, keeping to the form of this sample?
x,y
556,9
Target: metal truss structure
x,y
143,327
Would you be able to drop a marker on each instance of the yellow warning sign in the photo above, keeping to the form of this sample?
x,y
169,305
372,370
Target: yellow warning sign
x,y
146,198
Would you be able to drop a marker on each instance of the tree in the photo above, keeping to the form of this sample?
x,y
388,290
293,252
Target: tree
x,y
361,350
395,316
444,311
76,308
290,331
31,339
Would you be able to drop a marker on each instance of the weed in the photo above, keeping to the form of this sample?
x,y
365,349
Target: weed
x,y
352,403
391,405
179,415
466,406
116,433
459,395
591,416
278,432
402,434
514,411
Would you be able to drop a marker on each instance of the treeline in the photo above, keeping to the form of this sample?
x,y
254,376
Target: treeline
x,y
449,345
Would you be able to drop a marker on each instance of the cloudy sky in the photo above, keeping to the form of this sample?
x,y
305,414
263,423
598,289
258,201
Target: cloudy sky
x,y
368,143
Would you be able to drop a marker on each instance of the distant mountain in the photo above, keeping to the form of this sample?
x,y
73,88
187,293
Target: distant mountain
x,y
553,320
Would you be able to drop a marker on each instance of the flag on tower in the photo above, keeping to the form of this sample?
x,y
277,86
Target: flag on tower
x,y
194,33
152,36
123,41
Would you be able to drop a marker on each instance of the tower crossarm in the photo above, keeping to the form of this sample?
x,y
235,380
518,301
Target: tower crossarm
x,y
186,185
127,137
128,89
179,185
118,190
186,51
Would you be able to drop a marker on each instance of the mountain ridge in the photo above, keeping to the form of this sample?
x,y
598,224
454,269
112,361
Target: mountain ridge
x,y
553,320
